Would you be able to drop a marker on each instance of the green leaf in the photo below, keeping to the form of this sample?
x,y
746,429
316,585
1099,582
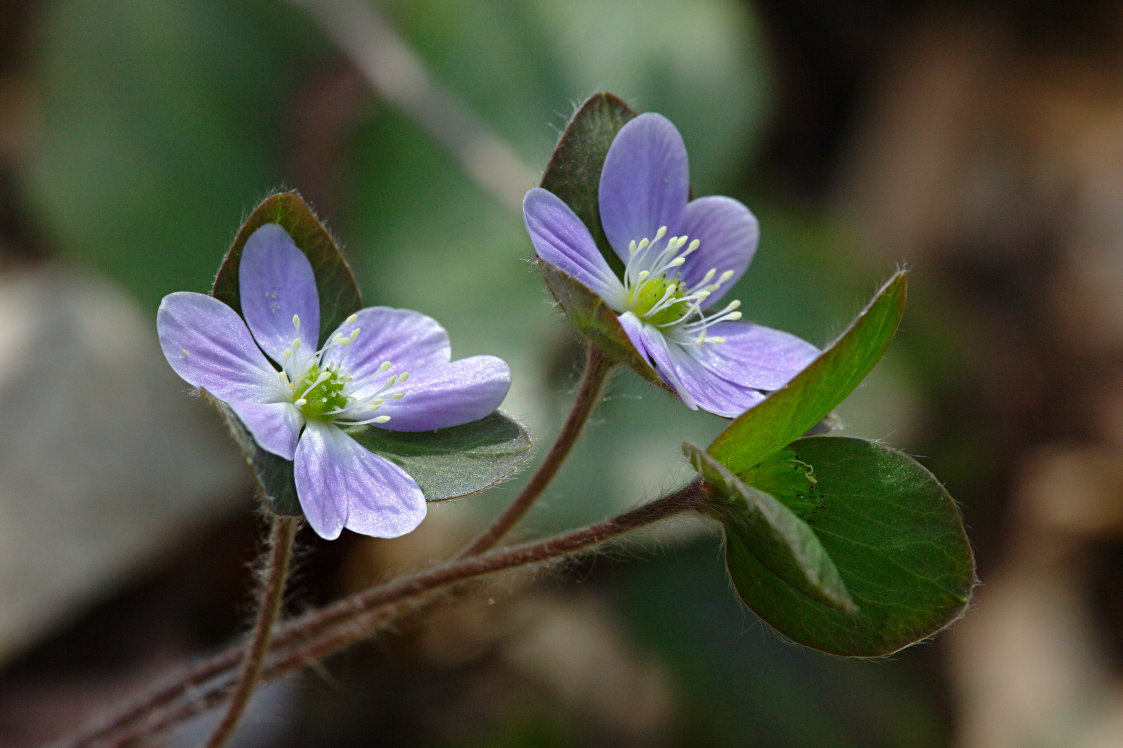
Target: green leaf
x,y
339,298
273,474
594,319
573,173
777,539
455,461
812,394
339,295
893,533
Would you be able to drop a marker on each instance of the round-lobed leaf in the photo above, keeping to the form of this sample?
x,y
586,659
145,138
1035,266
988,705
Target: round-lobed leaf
x,y
778,539
573,174
339,294
455,461
896,538
574,170
812,394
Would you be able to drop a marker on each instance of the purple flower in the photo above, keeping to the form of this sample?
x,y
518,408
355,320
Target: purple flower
x,y
680,259
384,367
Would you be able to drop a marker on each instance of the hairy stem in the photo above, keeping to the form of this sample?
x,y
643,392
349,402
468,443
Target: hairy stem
x,y
324,632
269,607
597,369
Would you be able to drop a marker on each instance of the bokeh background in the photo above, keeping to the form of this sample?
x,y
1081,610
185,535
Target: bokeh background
x,y
980,144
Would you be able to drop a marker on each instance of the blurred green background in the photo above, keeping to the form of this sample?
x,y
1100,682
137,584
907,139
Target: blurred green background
x,y
980,146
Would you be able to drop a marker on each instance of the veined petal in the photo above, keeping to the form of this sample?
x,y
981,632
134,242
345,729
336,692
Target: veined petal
x,y
728,234
208,344
410,340
341,484
456,393
653,345
645,182
274,426
709,390
756,356
276,282
562,239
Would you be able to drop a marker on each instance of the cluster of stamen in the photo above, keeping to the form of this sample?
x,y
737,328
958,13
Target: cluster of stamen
x,y
325,392
656,293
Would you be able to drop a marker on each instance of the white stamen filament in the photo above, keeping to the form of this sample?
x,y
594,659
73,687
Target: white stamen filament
x,y
297,364
648,260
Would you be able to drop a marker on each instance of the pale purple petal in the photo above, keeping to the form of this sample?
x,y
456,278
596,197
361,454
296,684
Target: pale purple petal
x,y
456,393
275,282
341,484
320,473
207,344
409,340
756,356
709,390
653,346
274,426
728,234
645,182
562,239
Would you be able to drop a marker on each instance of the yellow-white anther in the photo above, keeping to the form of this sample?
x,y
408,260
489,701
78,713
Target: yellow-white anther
x,y
725,276
381,419
403,377
296,321
384,367
351,320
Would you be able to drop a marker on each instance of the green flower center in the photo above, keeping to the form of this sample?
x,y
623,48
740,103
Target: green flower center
x,y
319,393
659,301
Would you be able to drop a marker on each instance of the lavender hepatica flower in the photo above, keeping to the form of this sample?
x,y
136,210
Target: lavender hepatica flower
x,y
679,259
383,367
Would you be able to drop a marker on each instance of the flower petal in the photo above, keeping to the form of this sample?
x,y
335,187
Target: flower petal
x,y
274,426
456,393
275,282
208,344
728,234
410,340
645,182
654,346
561,239
341,484
756,356
709,390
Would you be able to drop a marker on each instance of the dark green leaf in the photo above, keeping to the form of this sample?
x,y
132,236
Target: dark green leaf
x,y
573,173
594,319
456,461
895,537
272,473
778,540
813,393
339,296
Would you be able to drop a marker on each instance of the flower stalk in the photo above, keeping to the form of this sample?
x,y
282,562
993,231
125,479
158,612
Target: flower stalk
x,y
597,368
275,574
310,638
